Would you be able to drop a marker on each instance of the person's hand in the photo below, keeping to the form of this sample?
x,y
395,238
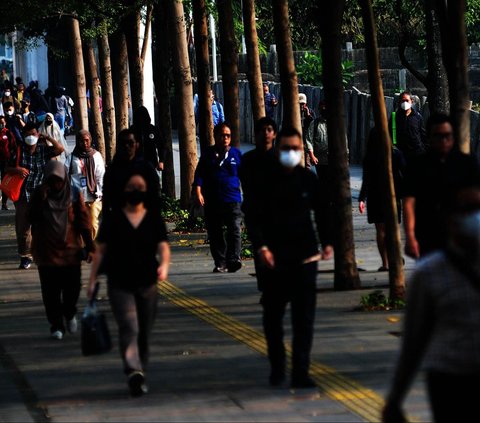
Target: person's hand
x,y
361,207
200,199
313,159
90,255
412,249
162,272
266,258
327,252
160,166
91,290
23,172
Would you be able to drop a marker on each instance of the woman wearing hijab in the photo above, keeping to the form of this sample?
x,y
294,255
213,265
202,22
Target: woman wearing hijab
x,y
61,232
50,127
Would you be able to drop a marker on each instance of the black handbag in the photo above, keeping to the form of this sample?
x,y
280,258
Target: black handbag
x,y
95,336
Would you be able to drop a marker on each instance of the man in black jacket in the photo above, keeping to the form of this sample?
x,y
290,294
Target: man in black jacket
x,y
278,219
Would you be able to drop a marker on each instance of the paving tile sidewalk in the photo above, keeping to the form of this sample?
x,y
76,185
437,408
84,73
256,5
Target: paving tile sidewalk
x,y
197,373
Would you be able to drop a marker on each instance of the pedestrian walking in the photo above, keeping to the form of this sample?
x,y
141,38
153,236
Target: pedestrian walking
x,y
217,189
270,100
34,155
279,223
60,231
86,169
7,147
129,241
442,321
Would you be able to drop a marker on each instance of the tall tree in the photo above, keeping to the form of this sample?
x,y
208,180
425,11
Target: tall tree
x,y
161,79
455,58
79,95
254,70
184,94
396,273
108,103
95,114
119,59
288,74
200,29
229,55
346,272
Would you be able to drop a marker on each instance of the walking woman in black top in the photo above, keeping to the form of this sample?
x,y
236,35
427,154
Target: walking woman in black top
x,y
133,247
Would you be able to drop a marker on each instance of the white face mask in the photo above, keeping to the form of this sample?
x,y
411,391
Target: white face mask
x,y
7,93
290,158
9,112
406,105
31,139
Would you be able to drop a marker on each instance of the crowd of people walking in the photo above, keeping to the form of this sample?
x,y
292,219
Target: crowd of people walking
x,y
73,207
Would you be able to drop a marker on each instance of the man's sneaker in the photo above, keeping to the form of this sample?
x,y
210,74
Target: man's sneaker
x,y
57,335
136,383
219,269
234,266
25,263
72,325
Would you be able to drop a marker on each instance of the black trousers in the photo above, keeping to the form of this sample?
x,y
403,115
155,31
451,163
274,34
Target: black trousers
x,y
295,285
60,291
453,398
224,249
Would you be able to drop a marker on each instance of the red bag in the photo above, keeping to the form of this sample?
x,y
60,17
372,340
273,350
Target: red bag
x,y
11,185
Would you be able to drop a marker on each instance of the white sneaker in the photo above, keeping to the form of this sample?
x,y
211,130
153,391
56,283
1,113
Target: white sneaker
x,y
72,325
57,335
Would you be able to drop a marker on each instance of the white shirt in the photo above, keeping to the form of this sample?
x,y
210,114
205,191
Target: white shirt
x,y
76,170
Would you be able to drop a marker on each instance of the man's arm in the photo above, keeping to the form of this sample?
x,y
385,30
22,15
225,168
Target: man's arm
x,y
412,248
56,145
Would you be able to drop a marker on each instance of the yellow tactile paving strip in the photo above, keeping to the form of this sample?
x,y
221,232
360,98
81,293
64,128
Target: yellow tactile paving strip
x,y
360,400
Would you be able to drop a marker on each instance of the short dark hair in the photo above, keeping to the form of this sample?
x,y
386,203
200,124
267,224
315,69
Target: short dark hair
x,y
7,104
29,126
265,121
289,131
437,119
220,126
125,132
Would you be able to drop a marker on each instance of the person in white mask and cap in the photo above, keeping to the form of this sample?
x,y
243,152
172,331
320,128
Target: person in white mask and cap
x,y
407,128
282,233
28,161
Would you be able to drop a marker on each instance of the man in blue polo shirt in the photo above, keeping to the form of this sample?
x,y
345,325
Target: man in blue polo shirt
x,y
217,187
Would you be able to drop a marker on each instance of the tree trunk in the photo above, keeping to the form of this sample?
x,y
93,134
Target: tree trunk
x,y
95,114
229,54
131,29
119,58
396,273
455,58
108,103
184,94
437,81
161,63
200,28
79,94
346,272
286,63
254,70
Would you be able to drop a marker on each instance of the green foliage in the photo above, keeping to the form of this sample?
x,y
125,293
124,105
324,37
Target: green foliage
x,y
173,213
377,300
247,250
310,70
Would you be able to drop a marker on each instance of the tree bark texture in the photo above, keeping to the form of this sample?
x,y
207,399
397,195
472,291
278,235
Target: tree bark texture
x,y
286,64
108,103
183,95
346,272
254,70
200,29
455,58
95,114
80,92
161,63
229,55
131,29
119,59
437,84
396,273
